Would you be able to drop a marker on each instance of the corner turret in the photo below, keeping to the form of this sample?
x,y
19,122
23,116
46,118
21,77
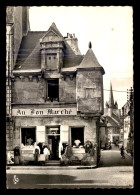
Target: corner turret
x,y
89,84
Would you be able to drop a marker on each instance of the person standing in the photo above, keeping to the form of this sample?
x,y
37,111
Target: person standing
x,y
46,152
60,149
122,151
17,155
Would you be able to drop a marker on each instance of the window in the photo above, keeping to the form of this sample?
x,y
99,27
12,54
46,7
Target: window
x,y
51,61
89,92
77,134
28,136
53,89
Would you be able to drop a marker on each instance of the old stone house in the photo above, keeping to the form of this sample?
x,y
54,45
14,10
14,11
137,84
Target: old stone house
x,y
57,93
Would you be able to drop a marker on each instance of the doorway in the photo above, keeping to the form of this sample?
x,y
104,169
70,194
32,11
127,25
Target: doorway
x,y
115,139
77,133
53,142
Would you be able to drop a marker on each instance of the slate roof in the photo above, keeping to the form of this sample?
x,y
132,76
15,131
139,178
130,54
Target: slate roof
x,y
71,59
116,117
90,61
29,56
29,52
112,122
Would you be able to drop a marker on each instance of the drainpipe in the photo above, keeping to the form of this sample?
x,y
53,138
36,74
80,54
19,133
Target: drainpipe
x,y
9,74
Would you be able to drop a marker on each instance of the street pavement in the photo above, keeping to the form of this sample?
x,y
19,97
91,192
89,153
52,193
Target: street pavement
x,y
111,158
113,172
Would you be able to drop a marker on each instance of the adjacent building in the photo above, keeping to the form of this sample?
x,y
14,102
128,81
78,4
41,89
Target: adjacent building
x,y
126,120
128,123
112,114
17,26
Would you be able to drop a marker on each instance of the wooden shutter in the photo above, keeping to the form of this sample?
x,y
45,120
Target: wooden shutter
x,y
40,134
64,135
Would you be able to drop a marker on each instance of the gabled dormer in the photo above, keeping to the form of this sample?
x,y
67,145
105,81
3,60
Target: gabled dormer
x,y
52,49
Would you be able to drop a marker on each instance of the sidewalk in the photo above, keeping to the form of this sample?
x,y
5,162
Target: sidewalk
x,y
48,167
128,154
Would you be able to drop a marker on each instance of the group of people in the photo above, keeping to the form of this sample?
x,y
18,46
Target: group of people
x,y
42,149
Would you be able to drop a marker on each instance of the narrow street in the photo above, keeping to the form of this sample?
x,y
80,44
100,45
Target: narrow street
x,y
112,157
113,172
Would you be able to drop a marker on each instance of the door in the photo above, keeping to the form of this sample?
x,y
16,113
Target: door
x,y
54,147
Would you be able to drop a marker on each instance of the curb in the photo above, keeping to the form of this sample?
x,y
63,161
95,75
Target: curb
x,y
89,167
48,167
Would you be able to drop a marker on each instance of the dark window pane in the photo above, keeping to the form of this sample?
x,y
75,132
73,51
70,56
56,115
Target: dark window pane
x,y
53,89
28,136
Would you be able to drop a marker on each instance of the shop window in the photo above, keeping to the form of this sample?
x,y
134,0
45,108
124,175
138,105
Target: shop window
x,y
28,136
53,90
51,61
77,134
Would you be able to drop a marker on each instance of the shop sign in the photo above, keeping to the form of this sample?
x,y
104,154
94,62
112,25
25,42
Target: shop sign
x,y
44,111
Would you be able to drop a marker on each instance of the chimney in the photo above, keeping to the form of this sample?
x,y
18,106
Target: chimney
x,y
73,43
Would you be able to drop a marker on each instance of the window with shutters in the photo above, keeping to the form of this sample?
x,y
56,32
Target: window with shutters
x,y
51,61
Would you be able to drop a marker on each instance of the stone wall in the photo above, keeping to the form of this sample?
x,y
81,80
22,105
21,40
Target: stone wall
x,y
9,14
25,20
17,29
9,134
67,90
9,64
89,91
16,136
19,17
64,122
73,43
29,89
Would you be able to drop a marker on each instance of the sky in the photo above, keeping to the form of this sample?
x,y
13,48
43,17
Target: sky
x,y
110,30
